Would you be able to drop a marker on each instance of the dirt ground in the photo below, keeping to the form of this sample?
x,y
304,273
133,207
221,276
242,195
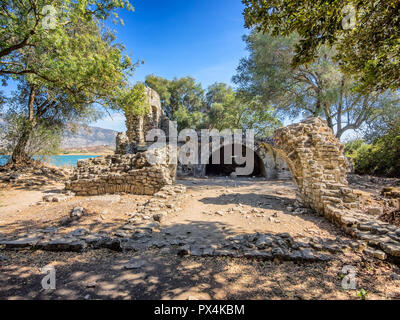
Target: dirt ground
x,y
213,209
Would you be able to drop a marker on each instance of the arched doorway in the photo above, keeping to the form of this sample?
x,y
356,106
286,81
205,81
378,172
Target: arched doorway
x,y
226,169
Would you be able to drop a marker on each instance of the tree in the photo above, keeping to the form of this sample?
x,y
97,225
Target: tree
x,y
31,25
181,99
318,88
228,109
364,33
36,117
77,60
219,107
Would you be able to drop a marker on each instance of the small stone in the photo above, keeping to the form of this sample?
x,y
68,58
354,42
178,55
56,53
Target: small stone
x,y
78,232
184,251
91,285
220,213
376,253
395,276
134,264
77,212
375,211
121,234
159,217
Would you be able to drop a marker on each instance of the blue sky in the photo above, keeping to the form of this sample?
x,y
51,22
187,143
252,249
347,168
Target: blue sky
x,y
177,38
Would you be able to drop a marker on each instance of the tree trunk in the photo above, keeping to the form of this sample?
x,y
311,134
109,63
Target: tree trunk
x,y
19,155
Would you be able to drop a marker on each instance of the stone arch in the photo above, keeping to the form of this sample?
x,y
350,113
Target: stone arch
x,y
318,166
226,169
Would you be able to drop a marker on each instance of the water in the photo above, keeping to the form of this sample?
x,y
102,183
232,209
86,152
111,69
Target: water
x,y
59,161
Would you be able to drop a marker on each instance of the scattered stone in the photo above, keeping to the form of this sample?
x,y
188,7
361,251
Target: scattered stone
x,y
375,211
78,232
395,276
135,264
65,244
91,285
184,251
376,253
159,217
21,243
3,258
77,212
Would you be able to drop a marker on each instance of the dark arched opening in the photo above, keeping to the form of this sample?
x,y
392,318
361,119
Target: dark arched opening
x,y
225,169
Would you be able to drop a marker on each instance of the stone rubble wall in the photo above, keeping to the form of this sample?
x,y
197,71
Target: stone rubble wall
x,y
112,174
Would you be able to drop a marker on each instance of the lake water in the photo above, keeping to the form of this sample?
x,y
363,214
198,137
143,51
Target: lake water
x,y
59,161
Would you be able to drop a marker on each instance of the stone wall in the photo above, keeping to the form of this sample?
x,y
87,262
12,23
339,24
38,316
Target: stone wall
x,y
130,173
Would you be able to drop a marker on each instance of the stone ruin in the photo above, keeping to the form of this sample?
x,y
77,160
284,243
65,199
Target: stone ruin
x,y
308,150
128,171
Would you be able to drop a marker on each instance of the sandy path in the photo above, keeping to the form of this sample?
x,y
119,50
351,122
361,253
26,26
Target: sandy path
x,y
14,200
262,207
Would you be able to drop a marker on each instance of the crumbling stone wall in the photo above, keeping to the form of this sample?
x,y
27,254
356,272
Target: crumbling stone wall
x,y
138,126
122,143
318,165
131,173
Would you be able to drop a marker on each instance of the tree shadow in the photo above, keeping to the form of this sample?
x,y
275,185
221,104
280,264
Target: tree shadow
x,y
102,274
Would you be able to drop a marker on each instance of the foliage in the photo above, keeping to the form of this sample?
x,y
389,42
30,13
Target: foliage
x,y
76,55
182,99
135,101
228,109
362,294
368,49
50,114
218,107
67,58
44,140
318,88
382,157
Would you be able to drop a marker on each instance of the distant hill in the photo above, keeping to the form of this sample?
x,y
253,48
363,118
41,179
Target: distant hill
x,y
86,138
89,137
